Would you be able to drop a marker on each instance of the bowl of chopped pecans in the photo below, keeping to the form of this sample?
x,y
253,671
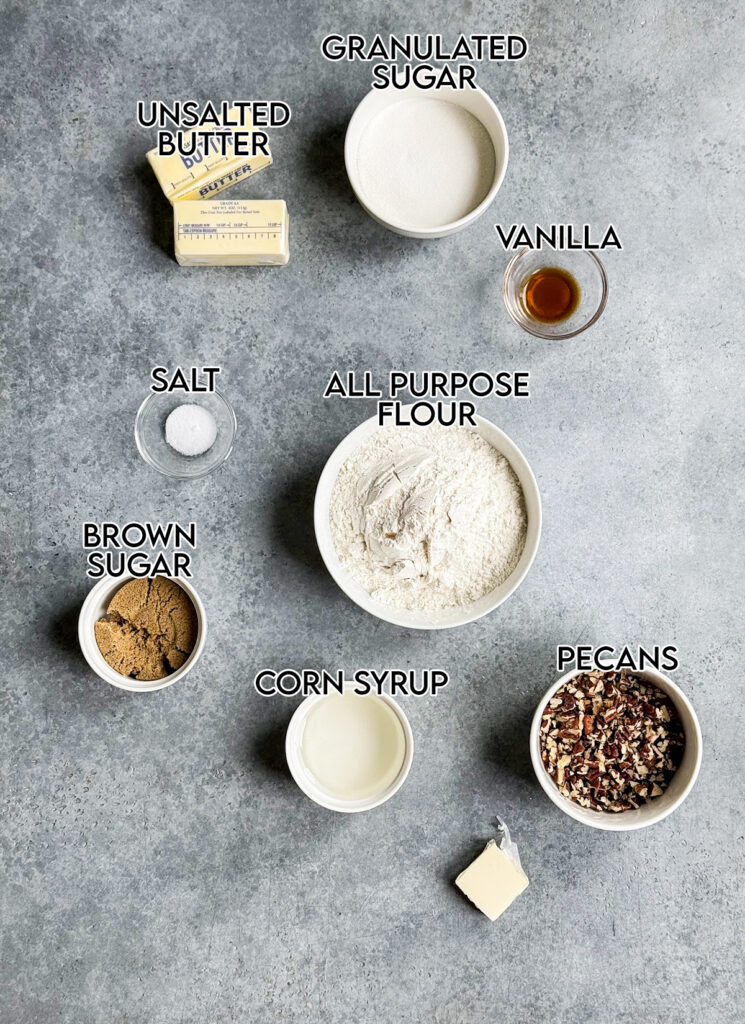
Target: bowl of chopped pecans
x,y
616,750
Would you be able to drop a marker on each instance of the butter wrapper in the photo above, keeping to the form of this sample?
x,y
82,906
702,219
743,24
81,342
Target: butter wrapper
x,y
231,232
507,844
207,172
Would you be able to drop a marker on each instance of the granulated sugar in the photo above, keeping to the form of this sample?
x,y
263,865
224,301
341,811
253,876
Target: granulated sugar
x,y
425,163
428,519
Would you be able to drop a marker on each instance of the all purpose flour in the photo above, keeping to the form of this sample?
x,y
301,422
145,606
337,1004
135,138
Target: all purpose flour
x,y
425,163
428,519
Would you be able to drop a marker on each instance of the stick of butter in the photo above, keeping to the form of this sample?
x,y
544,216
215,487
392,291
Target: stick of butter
x,y
205,173
493,881
231,232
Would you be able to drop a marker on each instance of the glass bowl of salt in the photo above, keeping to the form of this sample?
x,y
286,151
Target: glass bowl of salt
x,y
185,436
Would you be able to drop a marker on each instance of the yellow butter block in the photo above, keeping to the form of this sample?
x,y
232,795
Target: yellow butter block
x,y
206,172
492,882
231,232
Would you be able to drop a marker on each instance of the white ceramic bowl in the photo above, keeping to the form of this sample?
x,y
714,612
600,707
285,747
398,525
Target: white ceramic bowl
x,y
452,616
94,608
659,808
475,101
307,782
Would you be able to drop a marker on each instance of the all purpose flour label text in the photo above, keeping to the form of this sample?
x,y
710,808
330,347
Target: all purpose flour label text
x,y
439,395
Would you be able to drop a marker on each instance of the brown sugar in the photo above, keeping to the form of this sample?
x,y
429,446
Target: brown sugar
x,y
149,630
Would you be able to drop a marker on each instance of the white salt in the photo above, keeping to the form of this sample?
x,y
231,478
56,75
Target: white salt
x,y
191,429
425,163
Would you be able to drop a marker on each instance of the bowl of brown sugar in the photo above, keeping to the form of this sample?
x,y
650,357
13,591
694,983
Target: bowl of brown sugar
x,y
142,634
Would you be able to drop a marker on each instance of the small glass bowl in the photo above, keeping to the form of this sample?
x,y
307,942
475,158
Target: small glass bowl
x,y
150,433
585,268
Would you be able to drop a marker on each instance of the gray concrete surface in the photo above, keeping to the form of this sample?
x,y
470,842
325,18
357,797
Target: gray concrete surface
x,y
158,864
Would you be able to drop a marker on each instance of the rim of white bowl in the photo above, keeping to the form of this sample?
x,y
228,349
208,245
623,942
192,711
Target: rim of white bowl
x,y
87,638
403,617
304,778
606,820
451,227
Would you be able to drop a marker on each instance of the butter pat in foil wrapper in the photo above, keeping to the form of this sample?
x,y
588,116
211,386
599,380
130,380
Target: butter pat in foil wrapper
x,y
494,880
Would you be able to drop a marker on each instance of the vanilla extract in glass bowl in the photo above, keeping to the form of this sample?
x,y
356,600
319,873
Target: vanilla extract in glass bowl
x,y
550,295
556,296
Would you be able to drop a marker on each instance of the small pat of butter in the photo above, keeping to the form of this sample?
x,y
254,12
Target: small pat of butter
x,y
206,172
492,881
231,232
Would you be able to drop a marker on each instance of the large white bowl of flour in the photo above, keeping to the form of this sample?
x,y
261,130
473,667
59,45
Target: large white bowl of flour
x,y
430,527
426,163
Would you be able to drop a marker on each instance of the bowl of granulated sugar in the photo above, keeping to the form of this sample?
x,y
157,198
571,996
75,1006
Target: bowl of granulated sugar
x,y
426,163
